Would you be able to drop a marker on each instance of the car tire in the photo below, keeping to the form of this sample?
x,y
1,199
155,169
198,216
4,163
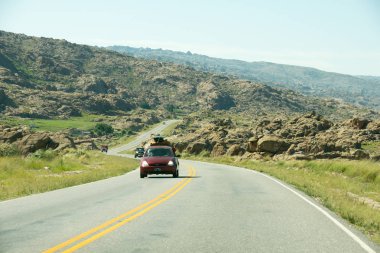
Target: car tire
x,y
175,174
142,175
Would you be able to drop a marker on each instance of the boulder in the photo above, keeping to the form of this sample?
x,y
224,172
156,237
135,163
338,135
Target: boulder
x,y
121,104
180,146
291,150
306,125
358,123
91,83
252,144
222,122
359,154
252,156
374,127
11,136
35,141
196,147
86,144
235,150
272,144
216,137
218,150
64,141
69,111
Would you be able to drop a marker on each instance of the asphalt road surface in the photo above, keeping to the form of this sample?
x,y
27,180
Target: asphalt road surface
x,y
209,208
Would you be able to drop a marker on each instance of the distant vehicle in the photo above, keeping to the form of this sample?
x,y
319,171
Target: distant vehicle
x,y
159,160
139,152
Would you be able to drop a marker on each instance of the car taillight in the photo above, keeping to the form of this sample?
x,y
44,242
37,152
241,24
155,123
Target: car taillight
x,y
144,164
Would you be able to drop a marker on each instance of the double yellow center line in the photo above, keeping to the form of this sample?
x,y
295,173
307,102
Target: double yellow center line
x,y
95,233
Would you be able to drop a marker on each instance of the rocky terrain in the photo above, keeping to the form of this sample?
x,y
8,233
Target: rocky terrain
x,y
26,140
360,90
48,78
305,137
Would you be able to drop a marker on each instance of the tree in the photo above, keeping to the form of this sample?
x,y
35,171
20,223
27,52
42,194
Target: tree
x,y
103,129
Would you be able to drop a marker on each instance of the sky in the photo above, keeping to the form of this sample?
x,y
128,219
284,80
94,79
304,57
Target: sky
x,y
333,35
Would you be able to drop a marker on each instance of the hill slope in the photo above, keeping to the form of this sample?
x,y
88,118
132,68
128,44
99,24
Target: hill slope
x,y
44,78
360,90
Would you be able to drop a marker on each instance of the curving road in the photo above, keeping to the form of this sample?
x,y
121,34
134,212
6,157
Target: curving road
x,y
209,208
141,138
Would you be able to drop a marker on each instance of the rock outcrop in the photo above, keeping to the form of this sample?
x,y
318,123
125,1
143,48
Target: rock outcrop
x,y
91,83
212,97
28,142
305,137
35,141
5,100
272,144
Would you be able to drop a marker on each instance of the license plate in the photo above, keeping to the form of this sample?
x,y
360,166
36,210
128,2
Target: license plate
x,y
157,169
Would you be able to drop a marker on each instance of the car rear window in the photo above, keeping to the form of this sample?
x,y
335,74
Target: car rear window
x,y
159,152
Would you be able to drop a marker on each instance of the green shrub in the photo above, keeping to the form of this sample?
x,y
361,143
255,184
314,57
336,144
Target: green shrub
x,y
145,105
7,149
44,154
103,129
204,153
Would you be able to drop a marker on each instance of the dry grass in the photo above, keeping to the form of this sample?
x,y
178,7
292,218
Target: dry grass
x,y
169,129
46,171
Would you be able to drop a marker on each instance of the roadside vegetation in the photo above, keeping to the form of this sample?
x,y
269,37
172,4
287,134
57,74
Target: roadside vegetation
x,y
169,130
372,147
85,122
47,170
349,188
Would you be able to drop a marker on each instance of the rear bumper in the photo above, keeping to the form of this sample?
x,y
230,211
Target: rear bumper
x,y
158,170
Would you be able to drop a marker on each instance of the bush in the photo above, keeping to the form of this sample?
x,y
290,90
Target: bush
x,y
44,154
103,129
145,105
8,150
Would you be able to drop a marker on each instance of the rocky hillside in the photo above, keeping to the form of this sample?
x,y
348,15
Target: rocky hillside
x,y
48,78
360,90
304,137
25,139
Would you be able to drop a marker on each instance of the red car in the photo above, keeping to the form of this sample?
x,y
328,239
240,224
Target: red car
x,y
159,160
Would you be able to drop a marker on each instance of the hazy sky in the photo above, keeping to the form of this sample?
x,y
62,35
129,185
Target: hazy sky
x,y
334,35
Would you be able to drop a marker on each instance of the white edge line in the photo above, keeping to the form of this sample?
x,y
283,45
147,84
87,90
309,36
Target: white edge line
x,y
362,244
335,221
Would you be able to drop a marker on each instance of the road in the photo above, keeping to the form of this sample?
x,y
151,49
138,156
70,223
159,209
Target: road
x,y
141,138
209,208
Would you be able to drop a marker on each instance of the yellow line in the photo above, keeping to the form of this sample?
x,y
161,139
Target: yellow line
x,y
116,226
107,223
154,202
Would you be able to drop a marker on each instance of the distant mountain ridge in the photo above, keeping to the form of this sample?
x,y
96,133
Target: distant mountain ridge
x,y
359,90
50,78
